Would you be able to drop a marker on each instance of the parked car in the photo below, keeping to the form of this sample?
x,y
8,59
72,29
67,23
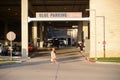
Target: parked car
x,y
52,43
16,51
3,50
31,48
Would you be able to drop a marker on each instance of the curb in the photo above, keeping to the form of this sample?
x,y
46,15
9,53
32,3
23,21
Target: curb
x,y
107,63
90,60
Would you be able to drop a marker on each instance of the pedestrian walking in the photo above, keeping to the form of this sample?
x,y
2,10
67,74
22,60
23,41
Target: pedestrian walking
x,y
53,56
81,45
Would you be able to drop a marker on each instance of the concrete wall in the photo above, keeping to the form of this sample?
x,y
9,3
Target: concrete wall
x,y
110,9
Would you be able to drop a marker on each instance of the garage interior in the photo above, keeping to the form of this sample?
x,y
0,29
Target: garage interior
x,y
10,13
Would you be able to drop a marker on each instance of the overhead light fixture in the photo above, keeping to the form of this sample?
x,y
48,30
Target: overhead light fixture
x,y
66,22
16,13
87,9
9,9
49,22
74,26
65,8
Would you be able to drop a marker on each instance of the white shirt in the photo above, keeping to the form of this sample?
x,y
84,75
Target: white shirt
x,y
53,54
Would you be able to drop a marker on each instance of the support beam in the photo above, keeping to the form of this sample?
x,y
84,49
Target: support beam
x,y
80,29
5,32
41,34
92,11
34,34
45,34
85,29
24,18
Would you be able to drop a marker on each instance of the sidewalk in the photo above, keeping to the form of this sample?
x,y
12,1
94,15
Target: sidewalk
x,y
8,57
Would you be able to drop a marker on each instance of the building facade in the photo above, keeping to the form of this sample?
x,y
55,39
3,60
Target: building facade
x,y
104,28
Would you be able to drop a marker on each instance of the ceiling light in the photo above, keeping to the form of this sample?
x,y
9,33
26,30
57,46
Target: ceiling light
x,y
16,13
65,8
49,22
66,22
9,9
74,26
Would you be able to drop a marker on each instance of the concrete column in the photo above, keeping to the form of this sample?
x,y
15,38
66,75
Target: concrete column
x,y
24,18
85,29
30,31
86,38
80,27
34,34
41,34
5,32
92,11
45,34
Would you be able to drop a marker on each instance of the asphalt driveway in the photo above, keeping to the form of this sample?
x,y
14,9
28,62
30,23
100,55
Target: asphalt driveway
x,y
71,66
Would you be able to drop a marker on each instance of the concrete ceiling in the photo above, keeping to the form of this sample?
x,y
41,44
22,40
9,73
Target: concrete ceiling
x,y
10,10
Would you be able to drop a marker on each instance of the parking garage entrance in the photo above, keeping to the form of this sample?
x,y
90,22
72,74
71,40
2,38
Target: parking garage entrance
x,y
72,37
54,16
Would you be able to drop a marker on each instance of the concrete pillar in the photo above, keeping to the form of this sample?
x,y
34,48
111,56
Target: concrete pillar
x,y
92,11
34,34
45,34
41,34
85,29
24,18
5,32
80,27
30,31
86,38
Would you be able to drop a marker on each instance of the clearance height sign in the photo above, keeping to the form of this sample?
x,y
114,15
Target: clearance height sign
x,y
58,15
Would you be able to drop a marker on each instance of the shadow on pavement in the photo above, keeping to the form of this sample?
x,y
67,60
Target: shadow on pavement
x,y
40,62
43,57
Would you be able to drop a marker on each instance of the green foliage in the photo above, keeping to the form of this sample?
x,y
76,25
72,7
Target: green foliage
x,y
7,61
110,59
